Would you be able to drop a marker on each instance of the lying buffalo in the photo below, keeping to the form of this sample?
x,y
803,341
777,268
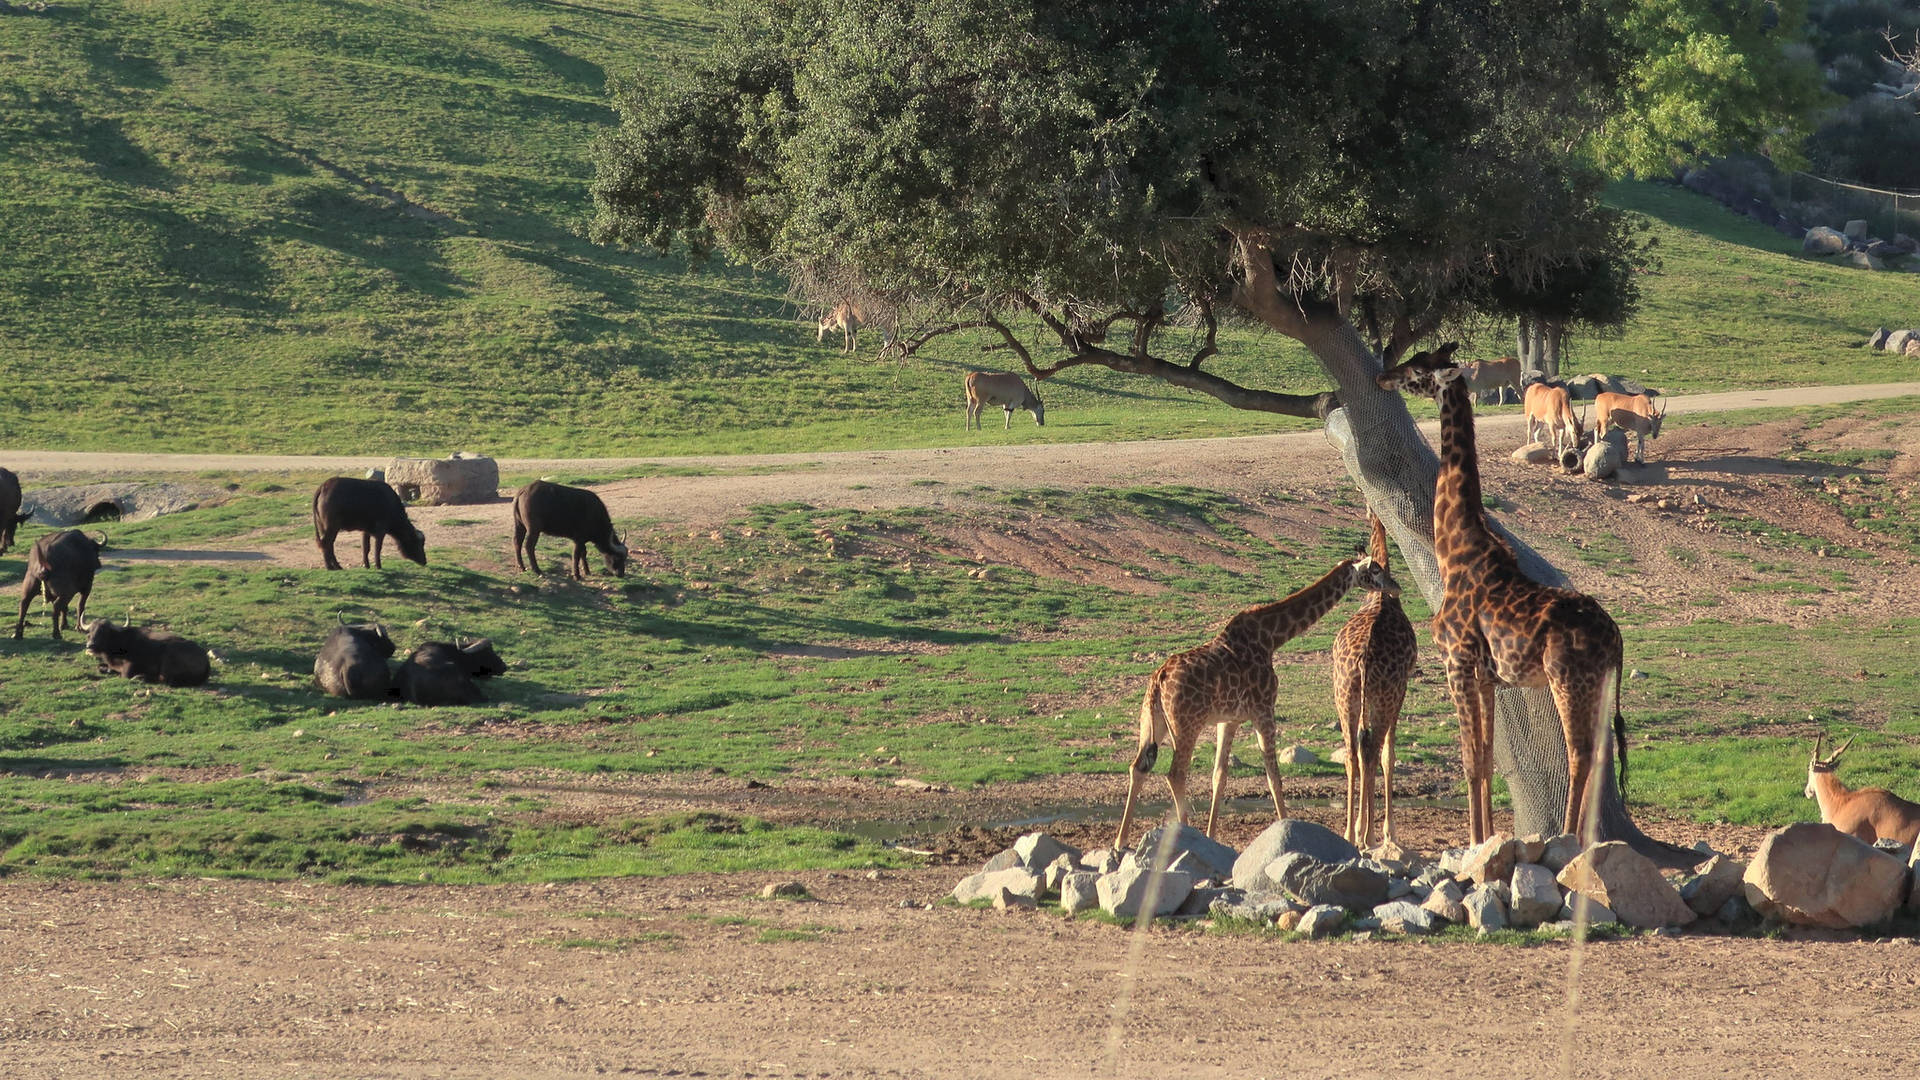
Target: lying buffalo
x,y
441,673
347,504
353,662
153,656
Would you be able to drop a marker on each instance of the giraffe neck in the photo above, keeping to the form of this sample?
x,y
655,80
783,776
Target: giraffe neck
x,y
1270,626
1460,532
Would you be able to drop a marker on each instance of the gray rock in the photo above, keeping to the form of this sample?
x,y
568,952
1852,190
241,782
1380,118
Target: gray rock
x,y
1398,887
1037,850
1452,860
985,885
1585,387
1712,883
1101,861
1445,901
1201,901
1348,884
1906,243
1598,914
1897,341
1007,899
1606,457
1535,896
1321,920
1857,229
1286,836
1629,883
1736,911
1298,755
1812,874
1258,908
1485,911
1860,260
785,890
461,479
1560,851
1821,240
1430,876
1057,871
1208,857
1080,892
1123,893
1879,339
1401,917
1006,860
1530,848
1489,860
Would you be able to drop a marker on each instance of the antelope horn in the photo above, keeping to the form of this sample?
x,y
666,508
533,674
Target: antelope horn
x,y
1818,738
1842,749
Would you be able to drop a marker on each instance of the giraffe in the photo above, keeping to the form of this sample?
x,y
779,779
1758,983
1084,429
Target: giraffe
x,y
1227,682
1372,660
1497,627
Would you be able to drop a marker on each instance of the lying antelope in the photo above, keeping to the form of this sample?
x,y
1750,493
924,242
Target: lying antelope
x,y
1630,412
1867,814
1551,408
1493,374
985,388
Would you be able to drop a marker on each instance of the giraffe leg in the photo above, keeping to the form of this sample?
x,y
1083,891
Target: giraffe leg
x,y
1463,685
1270,760
1222,756
1369,762
1137,775
1580,718
1345,703
1177,773
1483,746
1386,789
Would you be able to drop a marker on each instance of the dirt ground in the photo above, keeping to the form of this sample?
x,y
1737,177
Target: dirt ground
x,y
697,976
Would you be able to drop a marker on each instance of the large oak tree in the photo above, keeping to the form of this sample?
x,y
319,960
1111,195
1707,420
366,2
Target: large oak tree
x,y
1106,183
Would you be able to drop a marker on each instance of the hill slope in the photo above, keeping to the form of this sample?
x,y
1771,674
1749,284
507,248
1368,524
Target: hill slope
x,y
337,227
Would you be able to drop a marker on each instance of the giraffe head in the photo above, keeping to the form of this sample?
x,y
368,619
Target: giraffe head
x,y
1373,577
1424,374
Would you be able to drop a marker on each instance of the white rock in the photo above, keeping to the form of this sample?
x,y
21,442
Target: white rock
x,y
1079,892
1401,917
1037,850
1123,893
445,481
1535,896
1298,755
987,884
1322,920
1814,875
1629,883
1485,911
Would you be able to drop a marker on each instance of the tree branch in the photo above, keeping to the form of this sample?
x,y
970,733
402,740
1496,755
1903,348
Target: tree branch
x,y
1213,333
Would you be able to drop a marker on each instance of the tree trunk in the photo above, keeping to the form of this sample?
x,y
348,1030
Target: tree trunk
x,y
1523,344
1395,469
1555,333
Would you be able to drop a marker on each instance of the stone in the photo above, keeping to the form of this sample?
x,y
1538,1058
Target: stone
x,y
1291,834
1057,871
1006,860
1452,860
1811,874
1007,899
1038,850
1348,884
1736,911
1857,229
985,885
1906,243
1257,908
460,479
1535,896
1396,859
1401,917
1289,920
1897,341
1200,901
1912,349
1101,861
1821,240
1123,893
1432,875
1321,920
1598,914
1530,849
1489,860
1398,887
1080,892
1298,755
1860,260
1534,453
1208,857
1629,883
1337,756
1712,883
1879,339
1485,911
1445,901
785,890
1560,851
1606,457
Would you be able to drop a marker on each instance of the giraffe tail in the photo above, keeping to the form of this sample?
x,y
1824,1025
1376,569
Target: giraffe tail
x,y
1153,726
1620,730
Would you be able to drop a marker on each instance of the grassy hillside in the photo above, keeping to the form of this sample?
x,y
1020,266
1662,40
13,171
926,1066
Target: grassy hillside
x,y
325,226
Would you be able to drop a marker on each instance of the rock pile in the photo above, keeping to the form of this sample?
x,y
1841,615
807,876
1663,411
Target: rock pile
x,y
1898,342
1299,876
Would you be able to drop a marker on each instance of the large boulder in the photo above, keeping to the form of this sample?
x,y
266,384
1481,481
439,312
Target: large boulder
x,y
1349,884
1288,835
1123,893
986,885
1536,899
1812,874
1606,456
1896,342
462,478
1629,883
1586,387
1203,855
1821,240
1037,851
1879,339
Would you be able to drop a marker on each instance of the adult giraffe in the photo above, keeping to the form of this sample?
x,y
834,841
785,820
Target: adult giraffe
x,y
1497,627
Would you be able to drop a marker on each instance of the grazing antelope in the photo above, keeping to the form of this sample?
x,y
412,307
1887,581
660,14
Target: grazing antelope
x,y
1630,412
1867,814
1551,408
846,318
1493,374
985,388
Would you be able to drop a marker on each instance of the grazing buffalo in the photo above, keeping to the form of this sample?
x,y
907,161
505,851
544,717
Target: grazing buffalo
x,y
61,566
441,673
10,515
353,662
347,504
153,656
574,513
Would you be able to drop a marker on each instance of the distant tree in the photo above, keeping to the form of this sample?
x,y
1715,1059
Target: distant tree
x,y
1358,175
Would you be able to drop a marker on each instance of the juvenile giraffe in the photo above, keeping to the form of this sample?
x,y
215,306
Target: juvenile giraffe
x,y
1497,627
1372,659
1225,683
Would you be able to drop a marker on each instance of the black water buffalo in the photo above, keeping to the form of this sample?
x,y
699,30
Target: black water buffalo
x,y
441,673
574,513
353,662
10,515
61,566
154,656
347,504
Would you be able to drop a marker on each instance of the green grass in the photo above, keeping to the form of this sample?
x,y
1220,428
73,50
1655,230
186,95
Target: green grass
x,y
199,259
